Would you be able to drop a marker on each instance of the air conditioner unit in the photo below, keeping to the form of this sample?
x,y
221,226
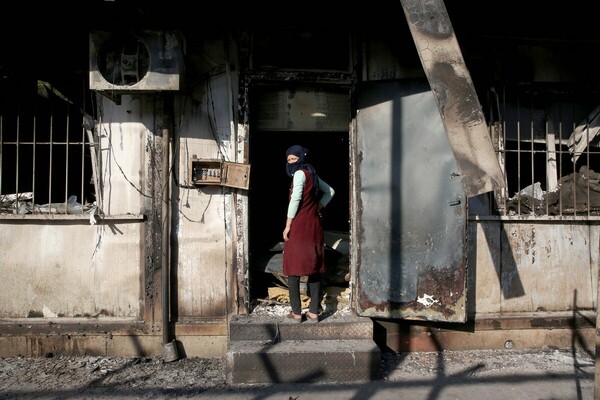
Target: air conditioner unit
x,y
135,61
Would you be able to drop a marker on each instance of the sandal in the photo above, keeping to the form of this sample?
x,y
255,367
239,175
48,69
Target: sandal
x,y
295,318
309,318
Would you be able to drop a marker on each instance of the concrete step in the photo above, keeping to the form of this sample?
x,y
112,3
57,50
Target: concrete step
x,y
274,349
279,328
302,361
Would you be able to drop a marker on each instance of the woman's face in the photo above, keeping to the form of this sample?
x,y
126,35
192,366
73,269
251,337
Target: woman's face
x,y
291,159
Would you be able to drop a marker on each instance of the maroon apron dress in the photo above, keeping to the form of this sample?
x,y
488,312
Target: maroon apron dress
x,y
304,252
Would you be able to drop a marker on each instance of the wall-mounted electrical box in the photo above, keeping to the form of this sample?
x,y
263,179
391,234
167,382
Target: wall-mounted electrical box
x,y
218,172
135,61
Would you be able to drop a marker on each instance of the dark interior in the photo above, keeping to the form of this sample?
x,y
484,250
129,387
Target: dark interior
x,y
269,190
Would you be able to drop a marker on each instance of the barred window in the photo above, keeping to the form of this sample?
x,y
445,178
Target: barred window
x,y
46,146
546,137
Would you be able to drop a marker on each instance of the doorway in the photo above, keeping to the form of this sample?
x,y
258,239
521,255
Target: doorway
x,y
328,152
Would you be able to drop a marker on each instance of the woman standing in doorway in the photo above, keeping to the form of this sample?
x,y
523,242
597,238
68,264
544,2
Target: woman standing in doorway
x,y
304,248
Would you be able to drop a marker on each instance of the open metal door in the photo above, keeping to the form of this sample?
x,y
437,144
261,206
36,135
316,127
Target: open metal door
x,y
410,207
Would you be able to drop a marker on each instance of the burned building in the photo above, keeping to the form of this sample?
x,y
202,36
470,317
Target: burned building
x,y
143,192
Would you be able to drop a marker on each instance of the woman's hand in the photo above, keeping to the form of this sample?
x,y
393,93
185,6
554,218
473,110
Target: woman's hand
x,y
286,233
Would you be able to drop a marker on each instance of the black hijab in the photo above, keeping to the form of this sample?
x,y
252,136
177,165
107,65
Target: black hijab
x,y
301,153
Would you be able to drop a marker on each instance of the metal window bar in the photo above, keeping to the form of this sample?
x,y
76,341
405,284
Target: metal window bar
x,y
573,205
571,208
17,162
1,148
532,152
560,159
551,159
505,193
34,133
50,163
574,162
567,173
82,166
519,152
26,151
67,162
587,156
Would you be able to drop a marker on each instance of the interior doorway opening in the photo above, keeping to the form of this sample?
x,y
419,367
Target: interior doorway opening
x,y
328,152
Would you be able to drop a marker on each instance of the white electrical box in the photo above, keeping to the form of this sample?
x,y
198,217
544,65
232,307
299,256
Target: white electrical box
x,y
217,172
135,61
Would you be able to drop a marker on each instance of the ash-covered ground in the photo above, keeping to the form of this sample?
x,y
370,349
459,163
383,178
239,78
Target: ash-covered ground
x,y
150,378
548,374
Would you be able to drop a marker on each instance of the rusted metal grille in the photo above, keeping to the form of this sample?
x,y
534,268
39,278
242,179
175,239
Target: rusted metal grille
x,y
45,162
546,138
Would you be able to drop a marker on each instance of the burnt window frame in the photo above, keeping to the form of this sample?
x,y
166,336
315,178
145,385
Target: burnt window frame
x,y
47,144
531,126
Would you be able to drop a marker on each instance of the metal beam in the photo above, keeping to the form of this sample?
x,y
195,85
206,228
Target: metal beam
x,y
455,95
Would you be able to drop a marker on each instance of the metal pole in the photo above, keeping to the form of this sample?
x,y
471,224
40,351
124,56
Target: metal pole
x,y
165,235
597,347
169,348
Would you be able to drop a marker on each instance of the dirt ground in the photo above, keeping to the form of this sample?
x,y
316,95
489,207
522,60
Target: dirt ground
x,y
555,374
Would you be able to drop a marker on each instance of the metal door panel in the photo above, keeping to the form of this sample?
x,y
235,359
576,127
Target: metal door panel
x,y
410,233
